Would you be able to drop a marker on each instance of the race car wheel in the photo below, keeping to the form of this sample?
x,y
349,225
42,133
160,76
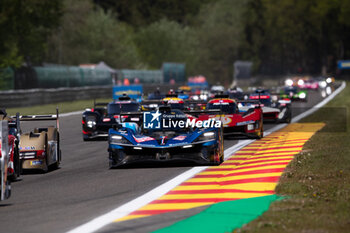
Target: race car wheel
x,y
288,119
216,159
86,138
16,164
113,160
260,133
58,162
46,166
221,148
56,165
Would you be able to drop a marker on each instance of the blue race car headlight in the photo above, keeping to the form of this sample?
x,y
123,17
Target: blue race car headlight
x,y
118,139
206,136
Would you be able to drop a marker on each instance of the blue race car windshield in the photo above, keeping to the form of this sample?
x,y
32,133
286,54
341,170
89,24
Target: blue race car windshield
x,y
117,108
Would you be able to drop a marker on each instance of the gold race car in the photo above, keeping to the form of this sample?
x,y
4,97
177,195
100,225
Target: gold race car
x,y
40,148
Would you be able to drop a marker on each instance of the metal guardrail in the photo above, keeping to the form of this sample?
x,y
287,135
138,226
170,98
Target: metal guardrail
x,y
30,97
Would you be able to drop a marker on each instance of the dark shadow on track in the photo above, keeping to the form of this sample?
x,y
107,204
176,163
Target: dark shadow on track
x,y
4,205
154,164
38,171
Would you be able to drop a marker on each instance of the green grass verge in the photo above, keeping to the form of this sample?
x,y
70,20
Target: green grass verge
x,y
317,180
51,108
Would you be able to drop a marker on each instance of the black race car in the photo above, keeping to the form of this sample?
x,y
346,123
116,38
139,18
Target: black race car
x,y
97,121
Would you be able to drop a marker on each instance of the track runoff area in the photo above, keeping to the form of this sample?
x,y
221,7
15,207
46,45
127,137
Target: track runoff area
x,y
237,191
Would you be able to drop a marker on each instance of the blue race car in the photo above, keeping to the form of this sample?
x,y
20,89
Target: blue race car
x,y
129,143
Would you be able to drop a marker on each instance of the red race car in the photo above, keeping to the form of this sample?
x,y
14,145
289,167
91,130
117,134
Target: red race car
x,y
5,187
14,164
248,123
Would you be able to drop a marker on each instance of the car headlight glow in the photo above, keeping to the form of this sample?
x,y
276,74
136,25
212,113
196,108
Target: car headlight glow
x,y
206,136
323,84
329,80
289,82
117,139
209,134
300,82
203,97
250,126
91,124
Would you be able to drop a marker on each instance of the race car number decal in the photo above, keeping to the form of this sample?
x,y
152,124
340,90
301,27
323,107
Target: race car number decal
x,y
143,139
225,119
180,138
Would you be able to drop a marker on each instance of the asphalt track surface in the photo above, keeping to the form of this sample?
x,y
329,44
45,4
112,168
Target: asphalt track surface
x,y
84,188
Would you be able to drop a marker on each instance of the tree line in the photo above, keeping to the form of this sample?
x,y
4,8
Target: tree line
x,y
279,36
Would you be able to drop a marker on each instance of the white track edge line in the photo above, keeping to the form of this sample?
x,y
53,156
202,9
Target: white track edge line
x,y
70,113
125,209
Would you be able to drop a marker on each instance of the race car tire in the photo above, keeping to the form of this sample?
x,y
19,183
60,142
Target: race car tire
x,y
260,134
56,165
221,138
220,150
17,165
113,160
86,138
46,166
288,119
214,162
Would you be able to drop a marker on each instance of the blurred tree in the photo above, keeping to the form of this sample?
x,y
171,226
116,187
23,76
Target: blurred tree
x,y
145,12
89,35
219,28
303,35
24,28
167,41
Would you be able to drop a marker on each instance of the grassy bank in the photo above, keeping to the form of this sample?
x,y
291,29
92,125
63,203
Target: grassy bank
x,y
317,181
79,105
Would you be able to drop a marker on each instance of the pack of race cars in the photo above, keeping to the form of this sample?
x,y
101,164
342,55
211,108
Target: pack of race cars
x,y
183,125
132,137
